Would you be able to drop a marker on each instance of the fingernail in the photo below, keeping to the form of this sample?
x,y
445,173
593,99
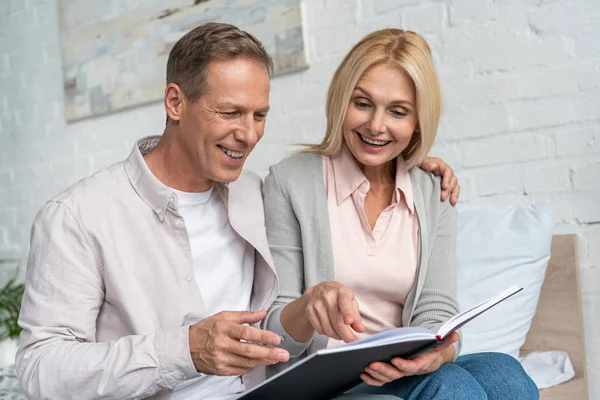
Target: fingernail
x,y
274,340
283,356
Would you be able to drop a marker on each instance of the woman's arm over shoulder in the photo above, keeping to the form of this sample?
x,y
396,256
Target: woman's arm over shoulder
x,y
437,301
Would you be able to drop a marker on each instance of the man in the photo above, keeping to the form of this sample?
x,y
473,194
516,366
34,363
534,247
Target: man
x,y
131,269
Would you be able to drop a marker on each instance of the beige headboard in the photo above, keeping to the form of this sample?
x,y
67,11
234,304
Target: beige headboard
x,y
558,322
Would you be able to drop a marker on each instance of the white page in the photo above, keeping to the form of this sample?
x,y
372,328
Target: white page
x,y
407,334
460,319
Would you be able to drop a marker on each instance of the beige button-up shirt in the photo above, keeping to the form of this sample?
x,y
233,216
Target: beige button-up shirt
x,y
110,289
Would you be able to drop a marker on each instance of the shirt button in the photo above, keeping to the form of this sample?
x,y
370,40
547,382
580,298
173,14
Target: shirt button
x,y
158,211
189,278
177,224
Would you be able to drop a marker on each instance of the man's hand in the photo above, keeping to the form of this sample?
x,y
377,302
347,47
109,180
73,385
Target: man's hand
x,y
450,185
380,373
332,310
221,345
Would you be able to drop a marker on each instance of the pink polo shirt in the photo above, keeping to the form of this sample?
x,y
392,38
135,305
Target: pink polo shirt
x,y
379,265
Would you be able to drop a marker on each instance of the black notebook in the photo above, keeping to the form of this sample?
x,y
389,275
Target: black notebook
x,y
331,372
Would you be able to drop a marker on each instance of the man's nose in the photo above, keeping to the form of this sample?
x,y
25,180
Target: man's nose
x,y
249,131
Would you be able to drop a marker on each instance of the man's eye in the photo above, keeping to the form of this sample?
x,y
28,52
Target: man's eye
x,y
260,116
230,114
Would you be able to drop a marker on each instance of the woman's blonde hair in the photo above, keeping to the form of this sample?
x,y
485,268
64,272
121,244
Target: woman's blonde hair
x,y
409,52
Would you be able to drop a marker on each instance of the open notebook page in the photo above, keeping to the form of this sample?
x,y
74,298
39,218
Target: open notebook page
x,y
385,337
460,319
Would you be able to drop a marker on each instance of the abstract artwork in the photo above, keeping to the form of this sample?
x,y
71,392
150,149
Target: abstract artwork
x,y
111,63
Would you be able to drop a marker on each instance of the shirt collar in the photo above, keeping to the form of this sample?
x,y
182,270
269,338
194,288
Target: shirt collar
x,y
347,175
152,191
403,184
158,196
349,178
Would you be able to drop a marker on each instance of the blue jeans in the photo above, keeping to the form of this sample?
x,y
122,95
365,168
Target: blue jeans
x,y
492,376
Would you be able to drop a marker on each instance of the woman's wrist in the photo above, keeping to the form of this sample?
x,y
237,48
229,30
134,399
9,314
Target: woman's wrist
x,y
294,320
450,354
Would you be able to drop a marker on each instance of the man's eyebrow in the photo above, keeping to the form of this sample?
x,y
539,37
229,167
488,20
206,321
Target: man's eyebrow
x,y
227,104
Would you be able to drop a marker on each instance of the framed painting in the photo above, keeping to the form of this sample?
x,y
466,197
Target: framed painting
x,y
112,62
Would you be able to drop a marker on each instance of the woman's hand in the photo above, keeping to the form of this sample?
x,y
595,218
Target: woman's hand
x,y
380,373
328,308
332,310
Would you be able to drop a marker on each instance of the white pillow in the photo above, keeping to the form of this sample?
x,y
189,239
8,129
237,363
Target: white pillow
x,y
500,246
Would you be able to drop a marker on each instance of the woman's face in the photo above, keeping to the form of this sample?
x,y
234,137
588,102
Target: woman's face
x,y
381,116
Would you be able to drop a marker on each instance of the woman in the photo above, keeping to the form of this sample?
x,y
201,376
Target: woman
x,y
360,238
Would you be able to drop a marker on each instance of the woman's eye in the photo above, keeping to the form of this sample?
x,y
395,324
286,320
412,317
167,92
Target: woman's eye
x,y
361,105
398,113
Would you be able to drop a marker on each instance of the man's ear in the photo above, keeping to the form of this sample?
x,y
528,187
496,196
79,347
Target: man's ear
x,y
173,102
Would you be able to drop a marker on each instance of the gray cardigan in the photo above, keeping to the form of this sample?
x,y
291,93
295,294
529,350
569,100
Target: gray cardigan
x,y
297,222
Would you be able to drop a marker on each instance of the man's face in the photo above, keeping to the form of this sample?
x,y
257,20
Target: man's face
x,y
222,127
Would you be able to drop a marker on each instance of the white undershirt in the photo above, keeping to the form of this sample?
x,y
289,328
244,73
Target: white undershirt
x,y
224,270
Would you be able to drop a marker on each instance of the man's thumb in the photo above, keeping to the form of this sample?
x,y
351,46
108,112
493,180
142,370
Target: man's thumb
x,y
246,317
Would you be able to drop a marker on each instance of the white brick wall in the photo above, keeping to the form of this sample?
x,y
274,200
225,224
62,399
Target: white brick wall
x,y
521,81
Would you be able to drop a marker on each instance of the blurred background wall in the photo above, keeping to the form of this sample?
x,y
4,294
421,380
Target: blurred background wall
x,y
521,119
